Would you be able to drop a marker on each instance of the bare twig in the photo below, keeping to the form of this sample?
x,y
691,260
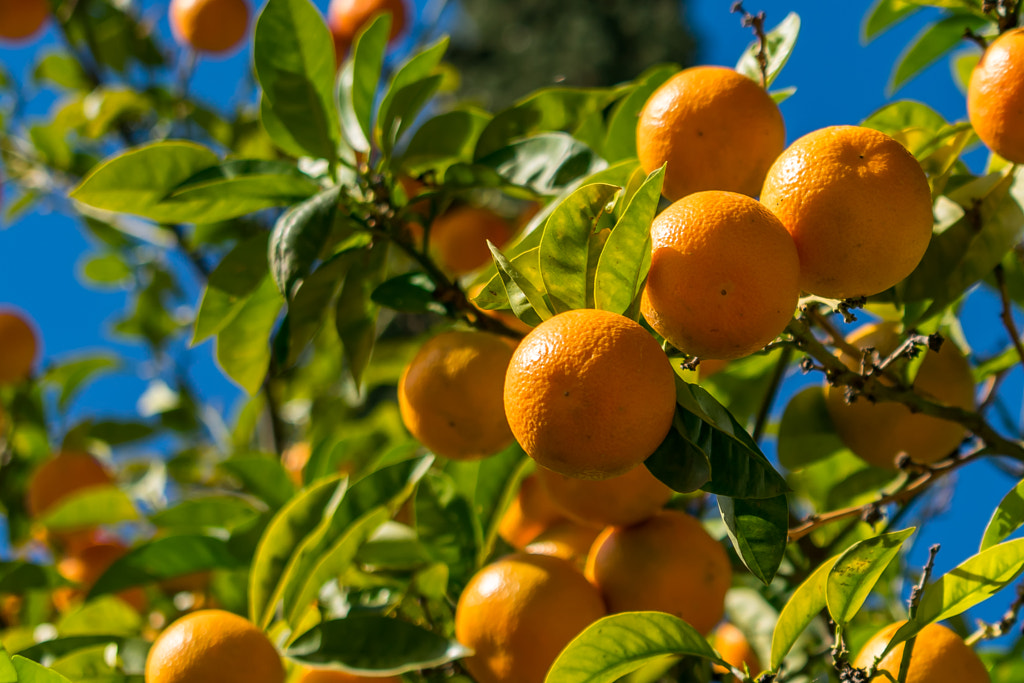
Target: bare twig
x,y
756,22
1007,312
913,603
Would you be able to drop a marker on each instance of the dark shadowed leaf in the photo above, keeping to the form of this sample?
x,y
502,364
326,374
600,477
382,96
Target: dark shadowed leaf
x,y
547,163
299,237
758,530
230,285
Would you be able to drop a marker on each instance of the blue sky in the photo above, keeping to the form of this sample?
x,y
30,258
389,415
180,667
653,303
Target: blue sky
x,y
840,80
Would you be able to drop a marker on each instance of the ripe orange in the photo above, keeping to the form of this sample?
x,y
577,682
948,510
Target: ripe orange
x,y
518,613
20,19
566,539
18,344
626,499
735,649
347,17
939,656
589,394
459,237
213,646
209,25
995,96
668,563
450,395
85,567
60,477
294,460
724,275
858,206
335,676
879,432
529,514
715,128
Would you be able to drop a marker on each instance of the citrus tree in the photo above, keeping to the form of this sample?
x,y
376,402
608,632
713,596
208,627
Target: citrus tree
x,y
608,385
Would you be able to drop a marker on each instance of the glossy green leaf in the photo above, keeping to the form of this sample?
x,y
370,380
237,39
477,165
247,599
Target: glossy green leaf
x,y
293,55
409,293
618,645
522,286
72,374
626,258
420,68
139,180
738,467
166,558
677,463
230,286
547,163
780,42
884,14
299,236
933,42
856,572
282,539
371,644
31,672
358,82
91,507
444,140
1006,518
243,348
803,606
620,139
564,252
261,476
912,123
445,522
806,433
356,313
758,530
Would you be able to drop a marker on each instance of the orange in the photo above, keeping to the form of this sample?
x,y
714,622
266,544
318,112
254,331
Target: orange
x,y
939,656
995,96
518,613
21,19
589,394
715,128
66,474
209,25
735,649
294,460
213,646
626,499
567,540
459,237
347,17
18,344
724,275
668,563
530,513
879,432
335,676
858,207
450,395
85,567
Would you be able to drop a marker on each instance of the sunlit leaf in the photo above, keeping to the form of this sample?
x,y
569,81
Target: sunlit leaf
x,y
857,571
758,530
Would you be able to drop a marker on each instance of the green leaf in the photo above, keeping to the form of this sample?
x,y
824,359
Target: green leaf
x,y
677,463
19,577
371,644
564,247
165,558
444,140
806,433
758,530
933,42
230,286
620,140
522,290
618,645
72,374
243,348
857,571
107,269
884,14
912,123
963,66
780,42
550,109
8,674
547,163
445,522
205,514
626,258
138,181
62,70
282,539
409,293
299,236
404,108
356,313
800,610
293,55
262,476
91,507
358,81
30,672
420,68
738,467
1006,518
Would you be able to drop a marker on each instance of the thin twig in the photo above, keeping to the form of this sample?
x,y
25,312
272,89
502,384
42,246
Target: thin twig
x,y
914,602
1007,313
756,22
